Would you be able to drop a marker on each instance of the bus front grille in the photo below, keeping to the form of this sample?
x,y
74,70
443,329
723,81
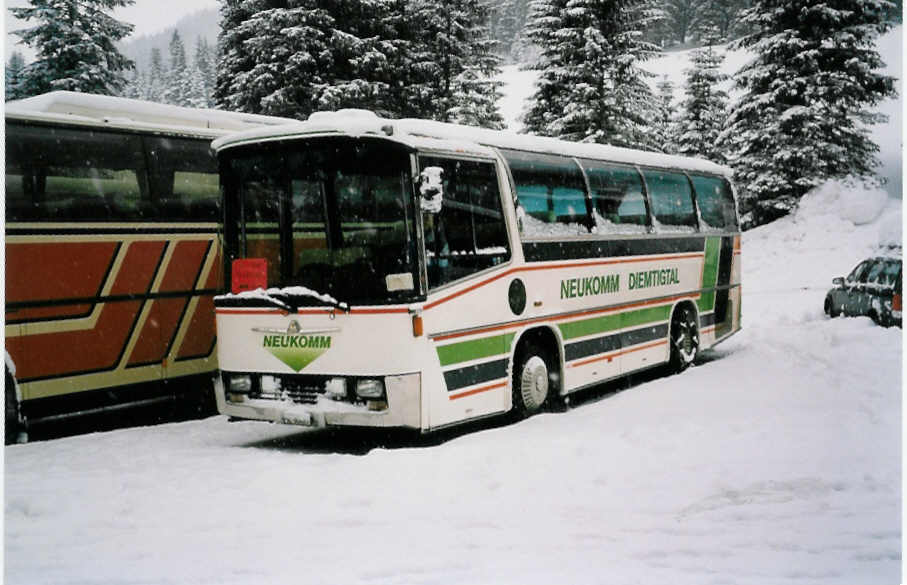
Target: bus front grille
x,y
301,389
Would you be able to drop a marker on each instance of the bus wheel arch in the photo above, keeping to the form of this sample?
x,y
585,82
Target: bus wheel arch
x,y
683,336
536,368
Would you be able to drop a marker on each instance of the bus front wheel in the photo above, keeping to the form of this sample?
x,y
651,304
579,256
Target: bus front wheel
x,y
531,380
684,339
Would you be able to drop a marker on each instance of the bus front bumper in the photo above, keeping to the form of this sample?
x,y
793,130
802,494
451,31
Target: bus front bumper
x,y
404,407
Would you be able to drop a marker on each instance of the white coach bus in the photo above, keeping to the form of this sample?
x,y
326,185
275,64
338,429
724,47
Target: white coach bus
x,y
417,274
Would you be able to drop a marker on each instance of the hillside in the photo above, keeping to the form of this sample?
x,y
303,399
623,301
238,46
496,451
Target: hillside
x,y
204,23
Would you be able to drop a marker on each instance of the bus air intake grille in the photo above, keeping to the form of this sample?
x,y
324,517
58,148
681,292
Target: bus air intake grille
x,y
302,389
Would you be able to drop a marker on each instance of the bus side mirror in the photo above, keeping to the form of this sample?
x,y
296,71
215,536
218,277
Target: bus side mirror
x,y
838,281
431,189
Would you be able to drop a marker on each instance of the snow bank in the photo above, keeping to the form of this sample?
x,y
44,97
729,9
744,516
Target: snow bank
x,y
853,202
836,226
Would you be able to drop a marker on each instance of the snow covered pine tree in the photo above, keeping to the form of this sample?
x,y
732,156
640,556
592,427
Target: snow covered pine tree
x,y
420,58
703,112
76,48
590,87
807,104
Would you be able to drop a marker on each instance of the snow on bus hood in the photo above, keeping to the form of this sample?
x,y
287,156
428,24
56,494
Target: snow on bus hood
x,y
270,295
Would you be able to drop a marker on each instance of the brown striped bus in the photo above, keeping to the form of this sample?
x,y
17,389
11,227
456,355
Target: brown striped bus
x,y
112,212
406,273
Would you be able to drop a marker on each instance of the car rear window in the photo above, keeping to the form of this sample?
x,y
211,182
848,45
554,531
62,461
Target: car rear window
x,y
888,274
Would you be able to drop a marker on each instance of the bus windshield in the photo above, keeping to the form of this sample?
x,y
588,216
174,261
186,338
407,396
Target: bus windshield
x,y
333,215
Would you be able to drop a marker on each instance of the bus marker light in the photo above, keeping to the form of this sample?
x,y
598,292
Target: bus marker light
x,y
336,388
270,384
417,325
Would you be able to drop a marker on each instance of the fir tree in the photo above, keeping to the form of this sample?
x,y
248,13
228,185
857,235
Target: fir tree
x,y
137,87
664,126
157,78
590,85
807,102
14,75
724,17
682,17
275,60
454,63
76,48
176,90
398,58
205,66
703,112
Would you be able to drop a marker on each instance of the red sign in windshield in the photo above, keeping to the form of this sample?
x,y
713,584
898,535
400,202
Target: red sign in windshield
x,y
249,274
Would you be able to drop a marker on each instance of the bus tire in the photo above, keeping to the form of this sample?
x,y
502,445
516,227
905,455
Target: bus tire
x,y
684,338
532,380
13,425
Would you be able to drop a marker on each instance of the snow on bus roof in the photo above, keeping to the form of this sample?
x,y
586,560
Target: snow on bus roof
x,y
117,111
431,134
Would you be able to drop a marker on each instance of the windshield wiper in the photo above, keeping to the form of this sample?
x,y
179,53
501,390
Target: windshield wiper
x,y
254,297
301,291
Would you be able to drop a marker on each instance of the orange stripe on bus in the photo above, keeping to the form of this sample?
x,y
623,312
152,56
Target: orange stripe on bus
x,y
530,268
610,357
479,390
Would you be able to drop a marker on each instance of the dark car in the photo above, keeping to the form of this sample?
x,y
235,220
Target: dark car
x,y
872,289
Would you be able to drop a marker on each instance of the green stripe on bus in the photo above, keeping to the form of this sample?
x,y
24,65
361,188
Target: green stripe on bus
x,y
606,323
475,349
709,274
464,351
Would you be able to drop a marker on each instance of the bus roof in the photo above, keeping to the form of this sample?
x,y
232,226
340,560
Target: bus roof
x,y
468,139
89,109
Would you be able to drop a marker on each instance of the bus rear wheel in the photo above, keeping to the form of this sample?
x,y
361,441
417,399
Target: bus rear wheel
x,y
532,380
684,339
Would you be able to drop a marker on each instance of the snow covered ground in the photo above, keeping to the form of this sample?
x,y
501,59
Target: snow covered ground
x,y
776,459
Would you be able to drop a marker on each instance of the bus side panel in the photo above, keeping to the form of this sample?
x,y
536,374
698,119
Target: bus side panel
x,y
719,305
82,309
472,352
612,299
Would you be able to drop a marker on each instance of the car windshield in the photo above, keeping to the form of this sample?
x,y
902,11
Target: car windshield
x,y
334,215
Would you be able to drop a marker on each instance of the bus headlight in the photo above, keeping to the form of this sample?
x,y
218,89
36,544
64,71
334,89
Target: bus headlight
x,y
240,383
369,388
336,388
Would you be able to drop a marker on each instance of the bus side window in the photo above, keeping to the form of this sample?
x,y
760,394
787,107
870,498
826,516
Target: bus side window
x,y
184,179
469,234
58,174
672,201
551,193
716,203
618,201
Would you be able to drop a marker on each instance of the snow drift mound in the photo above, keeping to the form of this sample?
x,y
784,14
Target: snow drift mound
x,y
854,203
835,226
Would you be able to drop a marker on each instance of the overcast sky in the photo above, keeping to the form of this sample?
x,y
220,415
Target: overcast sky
x,y
148,16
